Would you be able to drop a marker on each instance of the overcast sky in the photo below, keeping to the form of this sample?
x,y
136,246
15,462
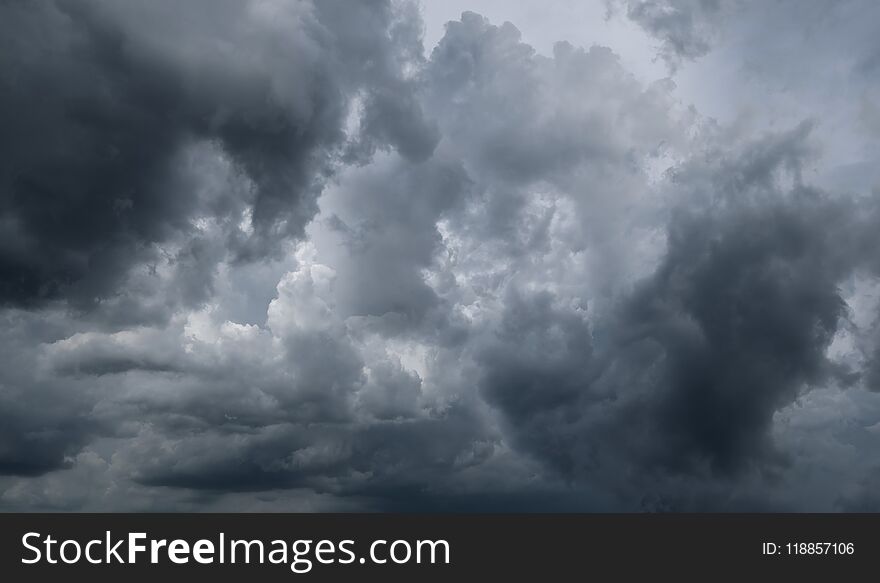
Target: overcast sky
x,y
468,255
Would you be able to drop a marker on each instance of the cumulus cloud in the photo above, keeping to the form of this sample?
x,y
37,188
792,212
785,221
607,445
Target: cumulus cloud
x,y
279,255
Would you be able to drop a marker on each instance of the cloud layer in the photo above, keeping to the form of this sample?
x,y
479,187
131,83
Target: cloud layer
x,y
278,255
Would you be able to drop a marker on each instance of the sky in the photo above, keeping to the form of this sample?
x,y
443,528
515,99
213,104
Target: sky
x,y
458,255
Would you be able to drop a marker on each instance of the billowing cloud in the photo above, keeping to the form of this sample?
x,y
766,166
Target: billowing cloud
x,y
103,101
279,255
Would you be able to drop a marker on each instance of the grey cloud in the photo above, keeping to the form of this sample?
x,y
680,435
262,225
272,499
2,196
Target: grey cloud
x,y
686,29
538,373
386,218
741,313
42,422
686,377
272,255
91,182
536,133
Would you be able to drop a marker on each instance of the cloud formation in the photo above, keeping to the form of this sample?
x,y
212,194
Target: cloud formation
x,y
275,255
686,29
104,101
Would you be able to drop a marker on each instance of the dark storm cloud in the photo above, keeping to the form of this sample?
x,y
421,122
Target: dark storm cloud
x,y
42,422
347,460
33,445
740,314
539,373
100,102
100,99
687,376
327,271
